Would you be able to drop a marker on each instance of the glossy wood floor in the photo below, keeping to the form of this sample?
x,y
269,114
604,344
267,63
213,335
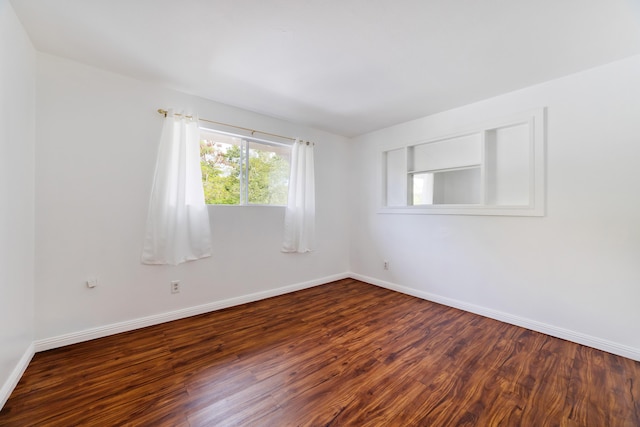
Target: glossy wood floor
x,y
342,354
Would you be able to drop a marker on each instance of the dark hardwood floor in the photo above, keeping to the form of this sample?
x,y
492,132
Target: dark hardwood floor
x,y
343,354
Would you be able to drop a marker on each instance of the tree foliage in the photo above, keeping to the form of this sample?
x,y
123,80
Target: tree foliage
x,y
267,174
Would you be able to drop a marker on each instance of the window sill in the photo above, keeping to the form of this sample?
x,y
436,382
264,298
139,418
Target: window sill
x,y
464,210
248,206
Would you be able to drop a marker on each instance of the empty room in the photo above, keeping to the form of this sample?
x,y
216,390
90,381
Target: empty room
x,y
345,213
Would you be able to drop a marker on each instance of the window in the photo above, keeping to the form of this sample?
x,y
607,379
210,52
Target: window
x,y
446,171
238,170
495,170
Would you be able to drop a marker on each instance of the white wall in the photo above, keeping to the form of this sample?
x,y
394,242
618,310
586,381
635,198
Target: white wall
x,y
574,272
97,134
17,85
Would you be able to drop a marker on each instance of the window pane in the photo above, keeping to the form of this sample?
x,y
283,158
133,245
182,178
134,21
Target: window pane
x,y
458,186
220,161
268,173
239,170
422,189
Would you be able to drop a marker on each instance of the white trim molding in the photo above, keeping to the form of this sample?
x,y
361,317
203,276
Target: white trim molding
x,y
471,150
534,325
11,382
143,322
115,328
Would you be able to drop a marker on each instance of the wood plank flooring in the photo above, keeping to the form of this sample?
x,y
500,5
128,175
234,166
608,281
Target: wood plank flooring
x,y
342,354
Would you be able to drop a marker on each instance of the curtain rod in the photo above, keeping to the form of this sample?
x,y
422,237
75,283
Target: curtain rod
x,y
165,112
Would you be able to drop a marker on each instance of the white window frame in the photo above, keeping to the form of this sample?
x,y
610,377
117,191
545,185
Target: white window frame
x,y
535,120
244,164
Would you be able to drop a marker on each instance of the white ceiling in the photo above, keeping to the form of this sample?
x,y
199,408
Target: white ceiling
x,y
345,66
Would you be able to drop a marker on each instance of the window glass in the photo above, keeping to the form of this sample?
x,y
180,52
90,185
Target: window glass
x,y
240,171
268,174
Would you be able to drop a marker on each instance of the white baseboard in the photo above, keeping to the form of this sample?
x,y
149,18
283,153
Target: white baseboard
x,y
534,325
102,331
16,374
129,325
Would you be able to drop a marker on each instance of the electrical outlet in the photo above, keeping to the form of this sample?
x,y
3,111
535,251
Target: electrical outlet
x,y
175,286
386,264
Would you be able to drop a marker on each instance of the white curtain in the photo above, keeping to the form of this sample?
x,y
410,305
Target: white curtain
x,y
299,220
178,221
